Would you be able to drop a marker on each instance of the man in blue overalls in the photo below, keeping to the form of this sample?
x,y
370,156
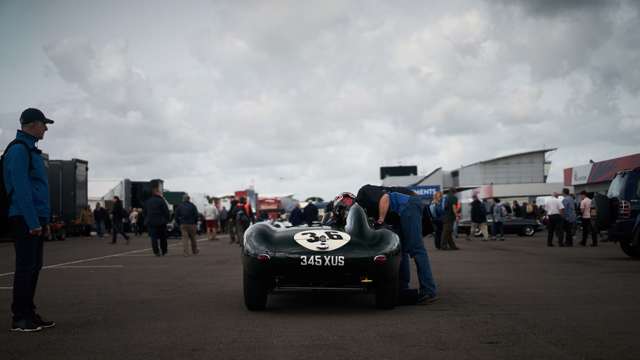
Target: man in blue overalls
x,y
410,208
26,183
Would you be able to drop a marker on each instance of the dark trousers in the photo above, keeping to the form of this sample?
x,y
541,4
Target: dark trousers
x,y
118,229
100,227
233,230
498,230
554,227
568,232
158,235
437,233
223,226
28,265
587,229
447,235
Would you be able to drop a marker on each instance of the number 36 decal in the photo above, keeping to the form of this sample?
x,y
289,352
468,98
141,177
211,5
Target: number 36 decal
x,y
322,240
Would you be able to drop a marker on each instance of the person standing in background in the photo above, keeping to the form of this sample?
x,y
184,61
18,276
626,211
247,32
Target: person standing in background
x,y
27,186
310,213
436,214
99,218
569,216
187,217
211,216
449,203
554,209
499,213
587,226
478,219
133,220
156,216
118,215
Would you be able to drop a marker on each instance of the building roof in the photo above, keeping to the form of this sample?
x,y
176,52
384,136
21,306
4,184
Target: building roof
x,y
606,170
401,180
512,155
410,180
97,188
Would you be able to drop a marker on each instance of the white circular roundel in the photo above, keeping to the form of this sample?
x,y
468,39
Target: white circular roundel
x,y
322,240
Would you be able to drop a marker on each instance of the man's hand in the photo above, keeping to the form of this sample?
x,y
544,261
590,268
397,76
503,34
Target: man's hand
x,y
36,232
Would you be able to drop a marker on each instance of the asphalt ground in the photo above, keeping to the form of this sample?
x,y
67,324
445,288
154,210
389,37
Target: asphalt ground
x,y
515,299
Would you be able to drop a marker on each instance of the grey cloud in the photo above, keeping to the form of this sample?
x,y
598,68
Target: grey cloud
x,y
312,97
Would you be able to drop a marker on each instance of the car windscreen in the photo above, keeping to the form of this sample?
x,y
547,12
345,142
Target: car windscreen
x,y
616,188
625,186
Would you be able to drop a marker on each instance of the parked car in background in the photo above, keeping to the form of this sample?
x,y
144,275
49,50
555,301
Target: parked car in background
x,y
512,225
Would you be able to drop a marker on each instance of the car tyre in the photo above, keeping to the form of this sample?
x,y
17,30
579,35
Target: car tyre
x,y
528,231
255,292
627,245
387,293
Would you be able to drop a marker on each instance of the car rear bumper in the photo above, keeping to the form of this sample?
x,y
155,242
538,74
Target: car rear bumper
x,y
289,273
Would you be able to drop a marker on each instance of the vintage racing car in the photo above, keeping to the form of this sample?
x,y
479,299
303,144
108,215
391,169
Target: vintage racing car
x,y
355,257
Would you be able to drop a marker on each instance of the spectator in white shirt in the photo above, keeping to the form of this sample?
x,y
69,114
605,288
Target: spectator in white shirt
x,y
554,209
211,216
587,227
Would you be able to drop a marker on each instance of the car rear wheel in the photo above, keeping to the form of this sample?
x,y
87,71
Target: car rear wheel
x,y
528,231
628,247
387,293
255,292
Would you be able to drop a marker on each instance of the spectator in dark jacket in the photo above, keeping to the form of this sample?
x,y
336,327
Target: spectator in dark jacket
x,y
100,216
118,214
296,218
310,213
232,223
478,218
156,217
436,214
187,218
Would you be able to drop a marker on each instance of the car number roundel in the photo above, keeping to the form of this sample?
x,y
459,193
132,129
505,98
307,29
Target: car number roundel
x,y
322,240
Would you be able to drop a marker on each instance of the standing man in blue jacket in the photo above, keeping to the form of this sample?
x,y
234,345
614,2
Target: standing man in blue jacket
x,y
26,182
187,218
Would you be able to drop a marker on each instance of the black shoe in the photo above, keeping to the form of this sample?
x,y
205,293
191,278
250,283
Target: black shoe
x,y
424,298
25,325
550,245
38,320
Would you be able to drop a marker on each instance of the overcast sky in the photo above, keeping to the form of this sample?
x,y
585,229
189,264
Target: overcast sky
x,y
312,97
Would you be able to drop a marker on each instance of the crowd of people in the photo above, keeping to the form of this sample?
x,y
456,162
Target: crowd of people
x,y
29,214
562,217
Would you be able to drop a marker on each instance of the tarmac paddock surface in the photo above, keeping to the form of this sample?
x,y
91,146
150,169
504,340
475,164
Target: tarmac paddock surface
x,y
516,299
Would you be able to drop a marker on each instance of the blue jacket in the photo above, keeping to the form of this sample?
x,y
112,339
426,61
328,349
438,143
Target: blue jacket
x,y
29,187
187,214
436,211
569,212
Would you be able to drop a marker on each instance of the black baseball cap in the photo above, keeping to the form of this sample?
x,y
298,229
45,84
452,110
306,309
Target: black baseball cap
x,y
32,115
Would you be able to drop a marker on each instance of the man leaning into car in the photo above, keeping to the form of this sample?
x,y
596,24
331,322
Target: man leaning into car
x,y
404,211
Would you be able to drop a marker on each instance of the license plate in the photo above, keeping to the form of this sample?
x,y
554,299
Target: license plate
x,y
322,260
